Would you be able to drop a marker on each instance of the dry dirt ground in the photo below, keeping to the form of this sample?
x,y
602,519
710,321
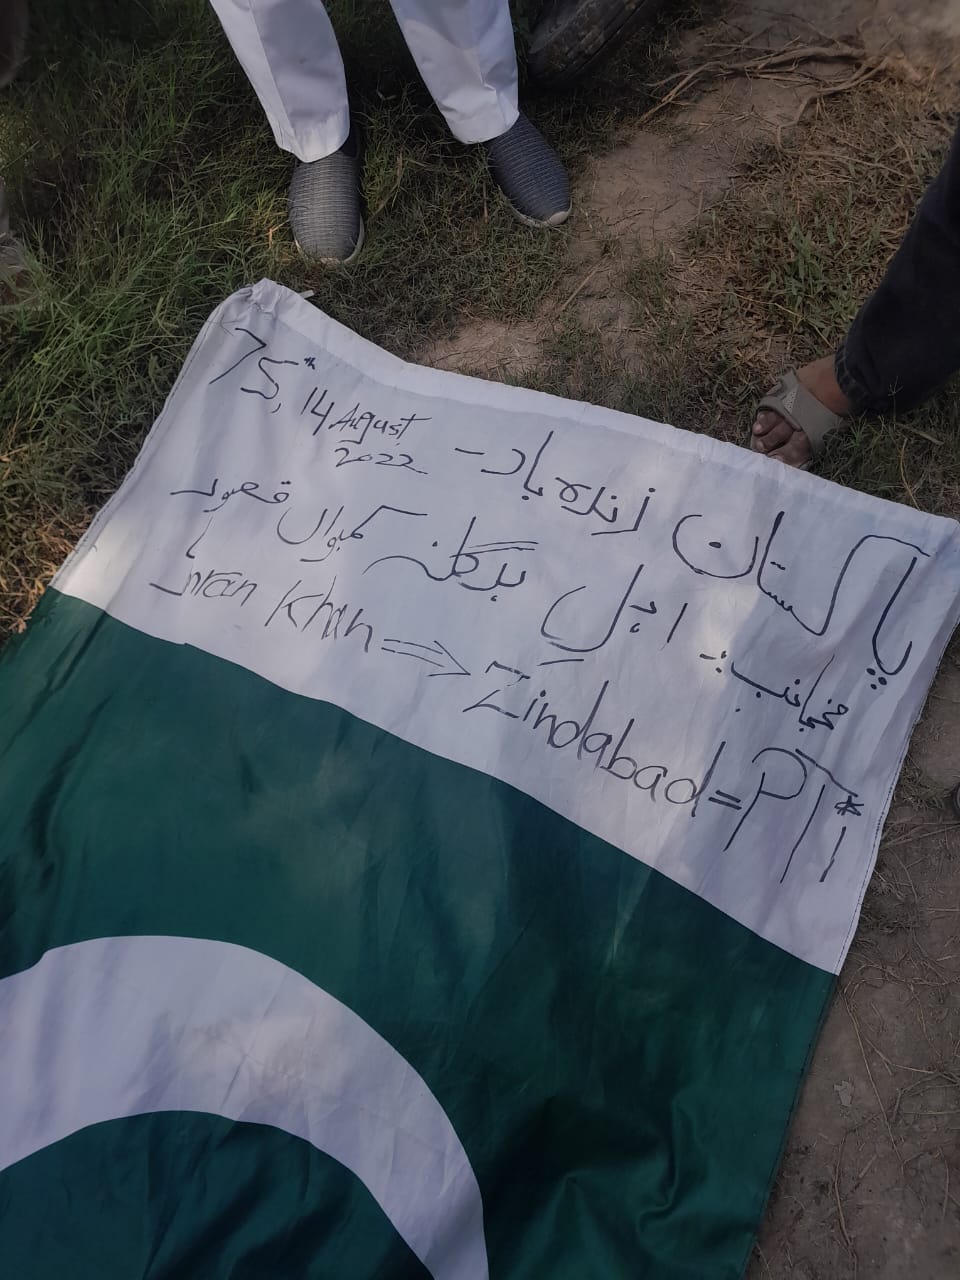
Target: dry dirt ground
x,y
870,1182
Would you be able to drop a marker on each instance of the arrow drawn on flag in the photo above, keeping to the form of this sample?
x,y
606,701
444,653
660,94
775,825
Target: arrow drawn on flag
x,y
434,655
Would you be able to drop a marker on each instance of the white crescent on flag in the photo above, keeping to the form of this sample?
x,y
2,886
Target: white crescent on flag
x,y
125,1026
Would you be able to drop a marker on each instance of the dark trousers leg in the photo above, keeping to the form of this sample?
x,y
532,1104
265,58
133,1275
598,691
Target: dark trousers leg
x,y
905,340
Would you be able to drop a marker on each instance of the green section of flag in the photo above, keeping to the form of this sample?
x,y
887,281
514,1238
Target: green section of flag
x,y
183,1196
618,1058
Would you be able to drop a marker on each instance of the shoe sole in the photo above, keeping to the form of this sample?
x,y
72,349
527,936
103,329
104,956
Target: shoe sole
x,y
543,224
568,52
335,262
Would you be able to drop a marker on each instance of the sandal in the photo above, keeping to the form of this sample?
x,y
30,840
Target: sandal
x,y
791,401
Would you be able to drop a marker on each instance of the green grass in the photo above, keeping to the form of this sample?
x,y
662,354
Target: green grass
x,y
146,186
799,247
770,278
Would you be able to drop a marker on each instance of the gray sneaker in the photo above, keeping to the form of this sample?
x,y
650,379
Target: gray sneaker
x,y
324,206
530,174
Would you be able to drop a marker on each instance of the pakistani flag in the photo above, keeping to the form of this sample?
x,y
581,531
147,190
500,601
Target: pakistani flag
x,y
433,815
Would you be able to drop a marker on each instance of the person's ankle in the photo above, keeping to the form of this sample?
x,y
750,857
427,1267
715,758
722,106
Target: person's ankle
x,y
820,379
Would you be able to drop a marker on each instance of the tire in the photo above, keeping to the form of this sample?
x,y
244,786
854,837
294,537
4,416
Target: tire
x,y
571,37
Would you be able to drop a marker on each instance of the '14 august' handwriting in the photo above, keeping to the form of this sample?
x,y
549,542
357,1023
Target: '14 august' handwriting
x,y
750,772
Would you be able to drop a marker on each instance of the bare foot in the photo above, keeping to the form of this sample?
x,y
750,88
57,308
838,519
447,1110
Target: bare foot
x,y
775,437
